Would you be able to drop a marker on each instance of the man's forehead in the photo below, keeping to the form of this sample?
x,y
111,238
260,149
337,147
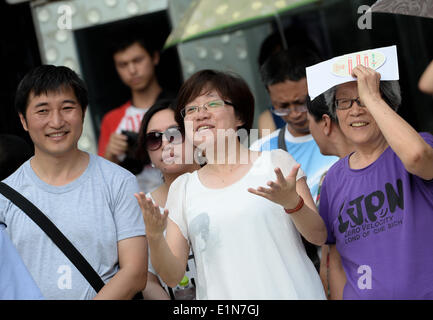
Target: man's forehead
x,y
60,92
134,50
288,90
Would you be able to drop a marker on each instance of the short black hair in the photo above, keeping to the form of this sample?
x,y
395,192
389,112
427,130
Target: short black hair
x,y
122,42
318,107
49,78
162,104
288,65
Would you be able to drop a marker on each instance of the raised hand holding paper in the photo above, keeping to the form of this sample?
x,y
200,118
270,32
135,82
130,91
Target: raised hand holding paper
x,y
338,70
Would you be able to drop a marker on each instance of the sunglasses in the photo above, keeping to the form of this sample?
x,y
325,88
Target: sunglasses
x,y
154,138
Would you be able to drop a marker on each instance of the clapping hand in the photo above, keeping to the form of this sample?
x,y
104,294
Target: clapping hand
x,y
282,191
155,221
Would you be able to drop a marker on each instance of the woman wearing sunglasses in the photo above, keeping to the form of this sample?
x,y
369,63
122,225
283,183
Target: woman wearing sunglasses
x,y
245,235
161,144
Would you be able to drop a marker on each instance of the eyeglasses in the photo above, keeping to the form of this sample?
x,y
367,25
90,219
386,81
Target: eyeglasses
x,y
154,138
210,106
343,104
285,111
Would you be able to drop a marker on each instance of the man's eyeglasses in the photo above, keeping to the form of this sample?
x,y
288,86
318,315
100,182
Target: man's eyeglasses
x,y
210,106
154,138
282,112
343,104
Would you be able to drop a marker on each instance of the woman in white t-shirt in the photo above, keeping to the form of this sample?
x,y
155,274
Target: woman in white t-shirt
x,y
245,235
160,144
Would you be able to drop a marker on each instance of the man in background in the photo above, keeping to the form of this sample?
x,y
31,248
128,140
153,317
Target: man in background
x,y
135,61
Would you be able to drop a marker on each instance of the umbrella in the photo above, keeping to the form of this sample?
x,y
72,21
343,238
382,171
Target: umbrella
x,y
420,8
209,17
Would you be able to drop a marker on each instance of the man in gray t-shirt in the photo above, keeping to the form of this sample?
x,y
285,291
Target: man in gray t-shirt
x,y
90,199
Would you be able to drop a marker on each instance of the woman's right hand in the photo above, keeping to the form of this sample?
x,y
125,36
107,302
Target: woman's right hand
x,y
155,221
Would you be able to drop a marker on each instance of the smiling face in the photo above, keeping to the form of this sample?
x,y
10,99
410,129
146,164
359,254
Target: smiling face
x,y
206,124
54,122
287,94
357,123
135,66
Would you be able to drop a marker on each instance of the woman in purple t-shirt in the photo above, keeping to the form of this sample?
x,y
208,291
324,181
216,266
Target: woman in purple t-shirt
x,y
377,202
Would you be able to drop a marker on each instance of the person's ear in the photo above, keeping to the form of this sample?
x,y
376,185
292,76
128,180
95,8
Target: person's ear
x,y
327,124
23,121
239,122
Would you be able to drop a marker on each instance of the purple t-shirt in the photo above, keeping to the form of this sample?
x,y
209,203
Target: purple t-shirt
x,y
381,220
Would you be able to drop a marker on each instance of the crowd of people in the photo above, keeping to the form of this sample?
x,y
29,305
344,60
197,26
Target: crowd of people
x,y
337,203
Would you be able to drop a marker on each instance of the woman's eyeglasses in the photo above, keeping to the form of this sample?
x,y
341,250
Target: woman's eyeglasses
x,y
211,106
344,104
154,138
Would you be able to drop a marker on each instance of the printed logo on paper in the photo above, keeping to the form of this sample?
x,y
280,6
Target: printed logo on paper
x,y
344,65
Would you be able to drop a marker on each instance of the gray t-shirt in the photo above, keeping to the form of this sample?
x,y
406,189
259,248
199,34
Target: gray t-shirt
x,y
94,212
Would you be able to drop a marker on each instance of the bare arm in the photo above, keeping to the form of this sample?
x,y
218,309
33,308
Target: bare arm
x,y
307,220
323,272
154,290
286,192
266,123
132,275
169,255
337,276
410,147
425,83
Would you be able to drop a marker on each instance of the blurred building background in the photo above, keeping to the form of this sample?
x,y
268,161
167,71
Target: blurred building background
x,y
36,32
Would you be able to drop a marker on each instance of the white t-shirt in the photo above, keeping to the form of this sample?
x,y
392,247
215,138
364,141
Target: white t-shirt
x,y
131,121
245,246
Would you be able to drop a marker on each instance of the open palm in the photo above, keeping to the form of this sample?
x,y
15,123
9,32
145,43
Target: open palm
x,y
281,191
155,221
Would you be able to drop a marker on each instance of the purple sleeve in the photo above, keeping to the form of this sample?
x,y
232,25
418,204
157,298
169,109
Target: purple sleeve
x,y
325,212
427,138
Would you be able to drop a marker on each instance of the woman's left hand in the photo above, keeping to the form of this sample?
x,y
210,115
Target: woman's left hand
x,y
282,191
368,84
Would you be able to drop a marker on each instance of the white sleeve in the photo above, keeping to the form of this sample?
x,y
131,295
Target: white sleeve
x,y
283,160
176,203
256,145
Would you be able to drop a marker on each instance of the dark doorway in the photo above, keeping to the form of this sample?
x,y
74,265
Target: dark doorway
x,y
19,53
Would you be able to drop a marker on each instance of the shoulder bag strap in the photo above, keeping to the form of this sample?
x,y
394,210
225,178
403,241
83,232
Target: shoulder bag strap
x,y
55,235
281,140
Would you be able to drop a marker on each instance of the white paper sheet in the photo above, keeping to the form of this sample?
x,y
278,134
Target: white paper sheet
x,y
321,78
